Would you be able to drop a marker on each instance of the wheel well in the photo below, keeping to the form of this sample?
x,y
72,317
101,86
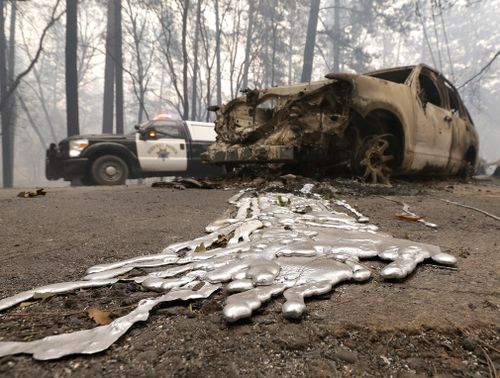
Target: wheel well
x,y
379,122
119,152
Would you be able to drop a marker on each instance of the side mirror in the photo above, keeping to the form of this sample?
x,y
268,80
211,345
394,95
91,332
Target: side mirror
x,y
137,127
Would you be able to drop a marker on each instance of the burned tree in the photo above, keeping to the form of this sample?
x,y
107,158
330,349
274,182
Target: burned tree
x,y
113,70
109,72
72,124
310,41
8,87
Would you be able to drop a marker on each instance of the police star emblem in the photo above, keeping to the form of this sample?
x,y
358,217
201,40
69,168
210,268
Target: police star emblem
x,y
163,153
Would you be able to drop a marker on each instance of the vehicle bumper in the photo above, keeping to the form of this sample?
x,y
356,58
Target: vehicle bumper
x,y
57,167
254,154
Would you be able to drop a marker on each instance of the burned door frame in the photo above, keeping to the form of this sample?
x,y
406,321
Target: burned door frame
x,y
461,128
433,123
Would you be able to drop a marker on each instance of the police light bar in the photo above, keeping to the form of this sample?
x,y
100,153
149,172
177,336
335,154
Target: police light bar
x,y
162,117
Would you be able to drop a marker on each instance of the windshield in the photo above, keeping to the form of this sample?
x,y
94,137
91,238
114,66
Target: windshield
x,y
396,76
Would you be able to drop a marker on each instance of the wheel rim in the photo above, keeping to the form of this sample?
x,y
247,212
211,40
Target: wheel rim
x,y
374,164
111,172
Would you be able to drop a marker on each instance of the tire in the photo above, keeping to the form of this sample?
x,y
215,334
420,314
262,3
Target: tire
x,y
109,170
467,172
371,161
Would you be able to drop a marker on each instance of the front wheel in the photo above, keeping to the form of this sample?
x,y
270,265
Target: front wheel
x,y
109,170
371,161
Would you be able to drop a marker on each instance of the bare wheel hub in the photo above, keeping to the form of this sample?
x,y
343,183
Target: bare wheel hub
x,y
374,164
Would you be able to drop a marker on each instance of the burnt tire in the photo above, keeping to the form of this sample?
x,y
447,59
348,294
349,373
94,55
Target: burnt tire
x,y
372,160
109,170
467,171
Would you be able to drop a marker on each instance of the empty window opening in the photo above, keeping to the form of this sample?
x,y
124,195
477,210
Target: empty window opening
x,y
397,76
428,91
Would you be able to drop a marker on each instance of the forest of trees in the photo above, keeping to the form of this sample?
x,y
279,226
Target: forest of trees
x,y
70,67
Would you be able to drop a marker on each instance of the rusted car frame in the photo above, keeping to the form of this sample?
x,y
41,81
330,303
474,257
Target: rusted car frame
x,y
405,120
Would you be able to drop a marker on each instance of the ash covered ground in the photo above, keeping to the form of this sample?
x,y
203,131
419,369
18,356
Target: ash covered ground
x,y
438,321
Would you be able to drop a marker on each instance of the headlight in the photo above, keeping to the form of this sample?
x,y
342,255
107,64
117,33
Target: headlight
x,y
77,146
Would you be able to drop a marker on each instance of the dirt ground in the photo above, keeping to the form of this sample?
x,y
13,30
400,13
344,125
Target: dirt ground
x,y
438,322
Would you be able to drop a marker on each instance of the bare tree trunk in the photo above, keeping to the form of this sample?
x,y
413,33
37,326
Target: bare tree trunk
x,y
7,147
290,48
310,41
248,44
118,66
194,115
185,90
162,86
443,26
233,44
32,122
72,122
217,53
109,73
438,46
274,27
143,67
336,36
12,88
209,93
209,63
11,68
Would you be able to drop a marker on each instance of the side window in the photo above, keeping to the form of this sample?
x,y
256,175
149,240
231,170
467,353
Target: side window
x,y
455,107
429,92
168,129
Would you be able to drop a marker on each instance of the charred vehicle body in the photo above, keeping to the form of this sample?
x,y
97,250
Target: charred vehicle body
x,y
406,120
160,147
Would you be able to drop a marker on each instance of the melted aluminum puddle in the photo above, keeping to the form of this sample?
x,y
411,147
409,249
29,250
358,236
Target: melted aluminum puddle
x,y
279,244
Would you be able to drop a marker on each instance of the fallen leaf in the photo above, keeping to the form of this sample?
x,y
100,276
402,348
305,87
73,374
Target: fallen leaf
x,y
99,316
200,248
137,286
27,304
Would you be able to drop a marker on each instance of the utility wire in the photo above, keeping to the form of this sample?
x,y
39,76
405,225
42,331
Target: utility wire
x,y
484,69
440,7
424,30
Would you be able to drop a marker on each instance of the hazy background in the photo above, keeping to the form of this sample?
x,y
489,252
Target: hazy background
x,y
458,38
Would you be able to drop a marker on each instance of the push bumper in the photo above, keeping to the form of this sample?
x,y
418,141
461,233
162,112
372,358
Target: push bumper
x,y
56,166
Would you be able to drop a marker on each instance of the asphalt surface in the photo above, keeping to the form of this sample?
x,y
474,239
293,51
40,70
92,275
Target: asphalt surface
x,y
437,322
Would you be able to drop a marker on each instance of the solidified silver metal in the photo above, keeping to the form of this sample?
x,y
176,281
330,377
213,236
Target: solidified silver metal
x,y
241,305
107,274
294,307
100,338
360,217
58,288
237,286
242,232
306,189
277,243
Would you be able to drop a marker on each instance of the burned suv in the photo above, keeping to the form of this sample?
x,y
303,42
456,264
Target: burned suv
x,y
399,121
